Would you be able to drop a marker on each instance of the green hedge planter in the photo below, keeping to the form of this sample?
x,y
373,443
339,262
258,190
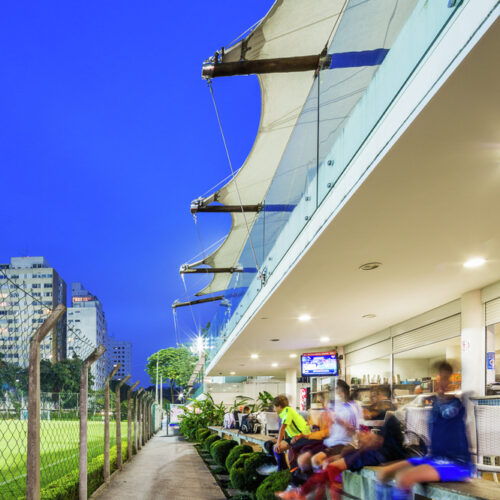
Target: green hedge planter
x,y
66,487
221,449
235,453
237,473
277,481
209,441
244,475
201,434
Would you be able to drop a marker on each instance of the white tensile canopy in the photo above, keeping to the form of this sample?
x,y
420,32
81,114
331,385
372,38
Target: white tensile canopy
x,y
291,28
298,28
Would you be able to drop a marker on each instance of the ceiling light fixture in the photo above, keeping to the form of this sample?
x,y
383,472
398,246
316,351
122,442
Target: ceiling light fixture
x,y
474,262
274,365
232,373
293,355
324,339
304,318
254,356
370,266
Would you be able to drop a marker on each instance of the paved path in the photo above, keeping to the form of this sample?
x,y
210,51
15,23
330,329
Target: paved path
x,y
166,468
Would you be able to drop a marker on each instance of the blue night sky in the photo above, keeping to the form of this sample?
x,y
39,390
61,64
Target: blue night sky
x,y
107,132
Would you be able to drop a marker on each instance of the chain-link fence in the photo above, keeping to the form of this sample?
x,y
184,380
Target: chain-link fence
x,y
57,439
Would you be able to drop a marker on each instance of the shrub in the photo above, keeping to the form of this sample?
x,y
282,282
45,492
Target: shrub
x,y
252,463
235,453
244,475
66,487
209,440
201,434
277,481
237,473
220,450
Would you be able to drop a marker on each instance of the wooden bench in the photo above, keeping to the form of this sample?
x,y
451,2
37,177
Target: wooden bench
x,y
240,437
362,485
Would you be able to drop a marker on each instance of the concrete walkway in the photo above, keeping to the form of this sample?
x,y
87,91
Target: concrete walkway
x,y
167,467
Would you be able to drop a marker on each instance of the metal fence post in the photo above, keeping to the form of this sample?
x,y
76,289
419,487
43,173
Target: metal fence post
x,y
129,421
144,418
84,389
118,418
152,423
148,418
107,468
33,446
137,413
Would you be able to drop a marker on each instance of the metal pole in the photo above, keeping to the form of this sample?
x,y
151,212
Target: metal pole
x,y
118,419
84,389
129,421
107,468
161,391
33,446
137,402
151,416
156,385
144,418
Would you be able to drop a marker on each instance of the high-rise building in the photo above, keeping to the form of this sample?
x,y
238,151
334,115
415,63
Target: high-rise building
x,y
29,290
120,351
87,329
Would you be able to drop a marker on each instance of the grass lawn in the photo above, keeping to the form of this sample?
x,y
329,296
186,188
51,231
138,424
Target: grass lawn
x,y
58,451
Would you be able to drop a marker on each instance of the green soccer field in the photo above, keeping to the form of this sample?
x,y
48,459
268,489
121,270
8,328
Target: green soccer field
x,y
58,451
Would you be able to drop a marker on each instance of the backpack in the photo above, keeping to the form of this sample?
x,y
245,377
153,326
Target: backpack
x,y
229,422
250,424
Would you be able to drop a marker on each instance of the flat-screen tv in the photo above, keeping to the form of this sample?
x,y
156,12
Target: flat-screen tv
x,y
319,364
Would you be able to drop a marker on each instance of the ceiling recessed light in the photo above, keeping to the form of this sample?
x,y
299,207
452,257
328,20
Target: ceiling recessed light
x,y
474,262
254,356
324,339
370,316
232,373
274,340
370,266
274,365
293,355
304,317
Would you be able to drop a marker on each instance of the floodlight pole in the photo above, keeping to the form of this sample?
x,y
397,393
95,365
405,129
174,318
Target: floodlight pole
x,y
84,391
33,443
161,392
156,385
107,468
118,418
129,421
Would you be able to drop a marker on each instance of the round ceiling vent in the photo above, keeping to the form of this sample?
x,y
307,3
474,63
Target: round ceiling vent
x,y
274,340
370,266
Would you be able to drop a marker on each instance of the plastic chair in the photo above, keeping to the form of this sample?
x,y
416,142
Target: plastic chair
x,y
488,439
417,425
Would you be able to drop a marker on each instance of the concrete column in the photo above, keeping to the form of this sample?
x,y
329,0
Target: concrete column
x,y
291,386
473,342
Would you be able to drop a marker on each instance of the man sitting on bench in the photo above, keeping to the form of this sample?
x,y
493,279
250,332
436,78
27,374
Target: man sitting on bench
x,y
449,458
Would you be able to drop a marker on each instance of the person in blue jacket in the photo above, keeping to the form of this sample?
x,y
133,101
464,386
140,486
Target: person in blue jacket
x,y
449,458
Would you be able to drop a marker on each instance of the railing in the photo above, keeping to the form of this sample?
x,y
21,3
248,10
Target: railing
x,y
335,122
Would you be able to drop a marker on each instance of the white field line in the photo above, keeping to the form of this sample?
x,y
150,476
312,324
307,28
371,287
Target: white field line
x,y
41,468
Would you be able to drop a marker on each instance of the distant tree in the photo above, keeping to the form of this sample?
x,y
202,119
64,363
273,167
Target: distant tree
x,y
175,364
12,376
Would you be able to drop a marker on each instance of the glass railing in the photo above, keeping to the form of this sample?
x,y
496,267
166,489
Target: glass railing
x,y
344,106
